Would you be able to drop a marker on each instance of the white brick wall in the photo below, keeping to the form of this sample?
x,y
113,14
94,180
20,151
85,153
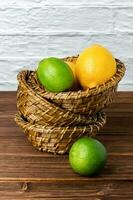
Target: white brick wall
x,y
33,29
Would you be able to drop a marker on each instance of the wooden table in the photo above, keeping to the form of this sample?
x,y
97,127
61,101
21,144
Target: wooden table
x,y
26,173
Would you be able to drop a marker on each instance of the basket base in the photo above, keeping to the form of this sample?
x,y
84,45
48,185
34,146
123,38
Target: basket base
x,y
58,140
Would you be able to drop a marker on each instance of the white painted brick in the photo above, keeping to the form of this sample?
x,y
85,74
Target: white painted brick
x,y
23,46
4,86
64,45
8,74
33,29
56,18
83,18
124,19
127,82
73,44
12,19
120,44
89,2
122,2
128,78
22,3
75,2
33,3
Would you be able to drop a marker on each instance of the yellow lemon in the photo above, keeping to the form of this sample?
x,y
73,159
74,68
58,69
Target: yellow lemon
x,y
72,65
95,65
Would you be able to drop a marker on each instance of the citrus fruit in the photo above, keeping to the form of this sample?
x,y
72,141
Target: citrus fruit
x,y
73,66
95,65
87,156
55,75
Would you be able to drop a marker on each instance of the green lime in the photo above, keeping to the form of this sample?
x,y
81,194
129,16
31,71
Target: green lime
x,y
87,156
55,75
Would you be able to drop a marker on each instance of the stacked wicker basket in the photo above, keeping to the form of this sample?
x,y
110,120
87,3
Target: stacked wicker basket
x,y
54,121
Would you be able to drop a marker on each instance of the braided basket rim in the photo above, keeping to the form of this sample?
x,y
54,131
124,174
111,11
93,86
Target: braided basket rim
x,y
90,91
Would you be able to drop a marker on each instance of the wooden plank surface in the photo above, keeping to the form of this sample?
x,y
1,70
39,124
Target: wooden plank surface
x,y
26,173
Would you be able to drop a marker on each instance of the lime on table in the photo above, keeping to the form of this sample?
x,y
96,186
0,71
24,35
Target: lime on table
x,y
55,75
87,156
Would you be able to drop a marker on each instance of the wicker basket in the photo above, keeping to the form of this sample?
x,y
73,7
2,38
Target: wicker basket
x,y
58,139
83,101
71,108
38,109
53,121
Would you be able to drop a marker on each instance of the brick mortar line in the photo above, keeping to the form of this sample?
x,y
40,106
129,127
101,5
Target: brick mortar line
x,y
65,33
67,6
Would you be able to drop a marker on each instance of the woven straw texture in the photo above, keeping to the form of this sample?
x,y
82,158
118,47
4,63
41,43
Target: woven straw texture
x,y
52,121
57,139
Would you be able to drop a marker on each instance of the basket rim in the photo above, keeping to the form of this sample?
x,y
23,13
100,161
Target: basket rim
x,y
36,127
32,91
80,93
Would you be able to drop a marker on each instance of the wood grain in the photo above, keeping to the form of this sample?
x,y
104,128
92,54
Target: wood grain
x,y
26,173
95,190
